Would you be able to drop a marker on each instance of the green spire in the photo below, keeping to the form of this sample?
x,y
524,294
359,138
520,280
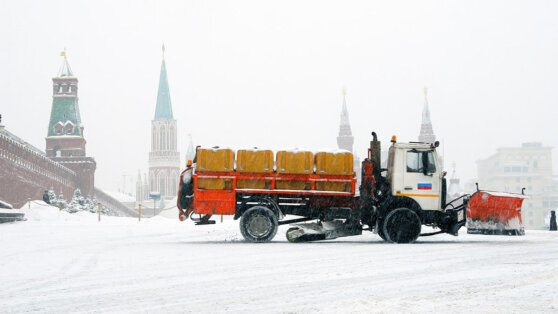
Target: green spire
x,y
163,110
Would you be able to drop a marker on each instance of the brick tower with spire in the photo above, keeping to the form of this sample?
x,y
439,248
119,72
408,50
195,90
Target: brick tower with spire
x,y
164,159
65,142
345,139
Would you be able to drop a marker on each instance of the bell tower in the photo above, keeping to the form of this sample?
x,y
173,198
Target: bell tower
x,y
65,142
164,159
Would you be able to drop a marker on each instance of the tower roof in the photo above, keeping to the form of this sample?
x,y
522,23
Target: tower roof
x,y
65,70
426,134
425,110
345,139
344,111
65,111
163,109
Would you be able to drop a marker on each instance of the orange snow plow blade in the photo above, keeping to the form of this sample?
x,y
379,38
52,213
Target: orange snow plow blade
x,y
495,213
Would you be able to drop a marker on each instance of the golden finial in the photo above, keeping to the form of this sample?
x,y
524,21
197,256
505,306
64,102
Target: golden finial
x,y
344,92
425,92
63,53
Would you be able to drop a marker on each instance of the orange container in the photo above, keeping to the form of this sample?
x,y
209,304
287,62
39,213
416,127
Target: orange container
x,y
294,162
258,161
215,160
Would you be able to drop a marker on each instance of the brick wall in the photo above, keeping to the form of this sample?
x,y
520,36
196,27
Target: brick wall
x,y
25,173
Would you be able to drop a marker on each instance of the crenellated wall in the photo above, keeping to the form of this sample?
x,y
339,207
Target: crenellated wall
x,y
25,172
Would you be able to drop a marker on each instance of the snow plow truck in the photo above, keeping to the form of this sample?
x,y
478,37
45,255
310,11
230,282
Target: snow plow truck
x,y
320,188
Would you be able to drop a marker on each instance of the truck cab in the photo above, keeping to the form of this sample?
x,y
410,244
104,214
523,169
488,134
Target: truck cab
x,y
413,171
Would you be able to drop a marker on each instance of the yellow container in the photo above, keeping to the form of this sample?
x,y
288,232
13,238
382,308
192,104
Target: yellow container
x,y
294,162
215,160
254,161
259,161
328,163
340,163
214,184
333,186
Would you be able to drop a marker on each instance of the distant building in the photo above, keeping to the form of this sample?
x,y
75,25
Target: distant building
x,y
142,188
426,134
529,167
345,139
454,189
190,152
164,159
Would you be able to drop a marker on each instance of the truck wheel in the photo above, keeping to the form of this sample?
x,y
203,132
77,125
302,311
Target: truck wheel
x,y
258,224
402,225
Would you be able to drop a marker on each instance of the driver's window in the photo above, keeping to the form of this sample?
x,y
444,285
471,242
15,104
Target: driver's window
x,y
416,160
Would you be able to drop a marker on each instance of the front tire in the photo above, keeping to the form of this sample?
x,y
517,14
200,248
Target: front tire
x,y
258,224
402,225
381,230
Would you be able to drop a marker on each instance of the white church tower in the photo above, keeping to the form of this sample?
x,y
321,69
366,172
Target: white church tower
x,y
164,159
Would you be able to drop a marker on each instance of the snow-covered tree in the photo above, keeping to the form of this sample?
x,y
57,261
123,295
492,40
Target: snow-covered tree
x,y
80,203
52,197
77,203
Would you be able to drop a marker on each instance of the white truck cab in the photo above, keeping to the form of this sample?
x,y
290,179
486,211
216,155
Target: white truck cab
x,y
413,171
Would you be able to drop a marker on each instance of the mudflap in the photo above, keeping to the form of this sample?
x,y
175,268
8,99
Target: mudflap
x,y
323,230
495,213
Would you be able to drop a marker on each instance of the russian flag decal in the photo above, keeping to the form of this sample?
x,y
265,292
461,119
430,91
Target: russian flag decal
x,y
424,186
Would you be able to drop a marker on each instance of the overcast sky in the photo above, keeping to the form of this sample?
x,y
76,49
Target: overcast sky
x,y
271,73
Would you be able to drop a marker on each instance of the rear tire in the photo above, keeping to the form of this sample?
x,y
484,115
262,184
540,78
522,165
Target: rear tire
x,y
402,225
258,224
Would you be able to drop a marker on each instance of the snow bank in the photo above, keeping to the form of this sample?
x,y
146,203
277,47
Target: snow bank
x,y
5,205
171,213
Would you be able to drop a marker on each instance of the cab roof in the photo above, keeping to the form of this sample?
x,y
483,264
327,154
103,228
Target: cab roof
x,y
411,145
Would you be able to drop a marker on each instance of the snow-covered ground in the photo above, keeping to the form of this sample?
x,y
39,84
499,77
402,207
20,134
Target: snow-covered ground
x,y
58,262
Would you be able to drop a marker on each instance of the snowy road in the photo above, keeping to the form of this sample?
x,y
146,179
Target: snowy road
x,y
63,263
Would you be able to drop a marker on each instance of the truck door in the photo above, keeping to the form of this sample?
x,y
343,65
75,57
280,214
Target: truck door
x,y
421,180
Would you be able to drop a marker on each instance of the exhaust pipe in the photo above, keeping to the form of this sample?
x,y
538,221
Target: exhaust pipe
x,y
376,153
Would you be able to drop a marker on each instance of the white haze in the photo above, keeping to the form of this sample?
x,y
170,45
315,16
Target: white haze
x,y
270,74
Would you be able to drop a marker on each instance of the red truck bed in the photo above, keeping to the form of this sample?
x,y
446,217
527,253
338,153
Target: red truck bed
x,y
223,202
